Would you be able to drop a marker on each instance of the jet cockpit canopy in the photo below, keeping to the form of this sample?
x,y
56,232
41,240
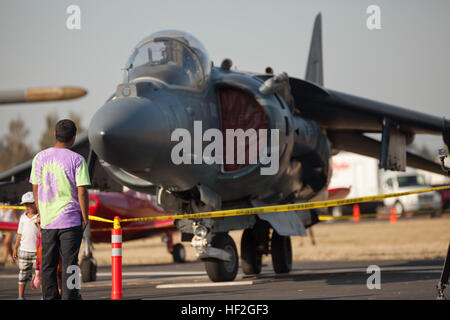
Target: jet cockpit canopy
x,y
174,57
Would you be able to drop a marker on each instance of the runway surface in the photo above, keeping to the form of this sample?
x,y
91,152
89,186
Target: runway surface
x,y
308,280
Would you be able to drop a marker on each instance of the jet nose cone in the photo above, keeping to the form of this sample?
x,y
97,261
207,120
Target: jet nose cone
x,y
128,132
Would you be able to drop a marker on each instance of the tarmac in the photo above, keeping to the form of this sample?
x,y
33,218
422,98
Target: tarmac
x,y
330,280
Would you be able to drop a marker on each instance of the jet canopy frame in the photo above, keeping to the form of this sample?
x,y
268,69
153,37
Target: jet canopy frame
x,y
173,57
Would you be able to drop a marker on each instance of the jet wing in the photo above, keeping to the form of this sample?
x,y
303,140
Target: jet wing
x,y
15,182
358,143
346,118
334,110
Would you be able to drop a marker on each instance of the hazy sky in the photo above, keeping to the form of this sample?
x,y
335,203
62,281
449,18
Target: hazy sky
x,y
406,63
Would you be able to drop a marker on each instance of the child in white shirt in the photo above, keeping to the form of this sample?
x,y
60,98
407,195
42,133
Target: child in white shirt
x,y
26,240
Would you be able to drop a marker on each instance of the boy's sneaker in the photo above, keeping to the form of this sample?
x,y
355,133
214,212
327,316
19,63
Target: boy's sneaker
x,y
21,298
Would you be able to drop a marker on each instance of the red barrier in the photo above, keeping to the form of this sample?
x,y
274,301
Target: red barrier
x,y
9,226
116,260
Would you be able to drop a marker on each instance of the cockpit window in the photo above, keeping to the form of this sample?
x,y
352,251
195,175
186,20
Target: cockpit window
x,y
170,59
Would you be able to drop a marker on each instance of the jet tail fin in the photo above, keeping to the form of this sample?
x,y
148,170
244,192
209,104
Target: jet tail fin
x,y
314,68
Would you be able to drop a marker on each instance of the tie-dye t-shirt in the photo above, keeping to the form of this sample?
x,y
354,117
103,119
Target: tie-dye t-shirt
x,y
58,172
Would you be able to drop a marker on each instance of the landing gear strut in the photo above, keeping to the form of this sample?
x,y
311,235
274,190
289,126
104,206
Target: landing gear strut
x,y
218,251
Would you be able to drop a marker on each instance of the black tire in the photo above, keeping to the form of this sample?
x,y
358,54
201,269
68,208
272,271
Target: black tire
x,y
446,206
437,213
399,209
179,253
281,253
219,270
251,260
88,270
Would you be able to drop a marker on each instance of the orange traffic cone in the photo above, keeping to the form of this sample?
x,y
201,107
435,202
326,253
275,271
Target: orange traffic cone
x,y
356,213
393,217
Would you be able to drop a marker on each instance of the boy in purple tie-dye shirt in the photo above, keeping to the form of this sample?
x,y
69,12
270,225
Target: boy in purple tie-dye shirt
x,y
58,172
60,177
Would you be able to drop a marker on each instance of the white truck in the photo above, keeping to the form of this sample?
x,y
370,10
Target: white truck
x,y
362,175
409,180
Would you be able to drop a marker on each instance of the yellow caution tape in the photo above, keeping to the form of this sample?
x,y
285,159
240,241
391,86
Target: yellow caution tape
x,y
95,218
363,215
13,207
24,208
285,207
269,209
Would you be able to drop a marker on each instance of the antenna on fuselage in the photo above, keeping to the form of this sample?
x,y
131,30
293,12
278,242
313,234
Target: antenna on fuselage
x,y
127,71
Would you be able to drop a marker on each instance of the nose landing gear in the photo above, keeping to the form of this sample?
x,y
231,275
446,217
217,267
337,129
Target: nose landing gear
x,y
220,270
218,251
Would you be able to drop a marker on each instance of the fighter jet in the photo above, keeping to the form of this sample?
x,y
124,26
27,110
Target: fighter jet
x,y
171,91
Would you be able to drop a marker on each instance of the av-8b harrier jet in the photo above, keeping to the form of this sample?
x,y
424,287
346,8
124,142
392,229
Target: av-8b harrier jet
x,y
171,90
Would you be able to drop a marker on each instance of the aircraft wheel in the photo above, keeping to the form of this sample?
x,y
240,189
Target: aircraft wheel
x,y
446,206
219,270
251,259
281,253
437,213
179,253
88,270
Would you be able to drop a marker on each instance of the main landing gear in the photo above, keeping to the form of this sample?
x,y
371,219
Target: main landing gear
x,y
219,253
255,243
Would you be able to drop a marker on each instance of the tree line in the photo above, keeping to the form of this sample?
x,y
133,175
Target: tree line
x,y
13,148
